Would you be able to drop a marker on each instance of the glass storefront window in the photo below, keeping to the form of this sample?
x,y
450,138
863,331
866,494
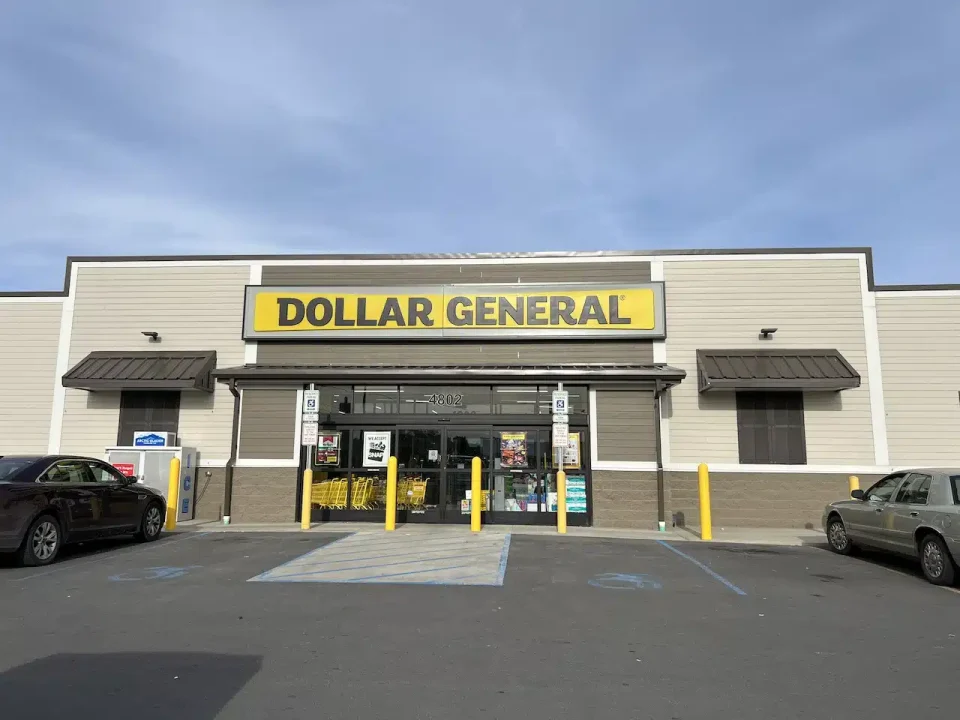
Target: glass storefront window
x,y
445,400
579,402
518,400
329,489
376,399
335,400
418,448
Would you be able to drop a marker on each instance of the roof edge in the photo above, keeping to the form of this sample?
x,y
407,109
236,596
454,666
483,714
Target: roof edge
x,y
572,254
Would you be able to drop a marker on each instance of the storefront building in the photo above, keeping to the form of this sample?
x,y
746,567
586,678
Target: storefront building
x,y
785,371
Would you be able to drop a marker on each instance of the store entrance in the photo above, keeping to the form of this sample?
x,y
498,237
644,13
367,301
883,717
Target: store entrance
x,y
434,471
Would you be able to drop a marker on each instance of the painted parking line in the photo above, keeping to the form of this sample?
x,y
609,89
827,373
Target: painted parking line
x,y
716,576
422,557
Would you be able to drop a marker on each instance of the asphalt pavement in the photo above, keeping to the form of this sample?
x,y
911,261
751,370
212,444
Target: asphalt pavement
x,y
580,627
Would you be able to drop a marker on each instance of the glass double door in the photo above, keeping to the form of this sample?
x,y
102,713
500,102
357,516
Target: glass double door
x,y
434,471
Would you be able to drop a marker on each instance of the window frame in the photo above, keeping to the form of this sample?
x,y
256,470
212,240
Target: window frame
x,y
899,477
907,486
780,440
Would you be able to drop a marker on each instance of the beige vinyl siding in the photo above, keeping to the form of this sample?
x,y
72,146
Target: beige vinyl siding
x,y
29,335
625,429
192,308
510,271
267,424
814,303
453,352
920,360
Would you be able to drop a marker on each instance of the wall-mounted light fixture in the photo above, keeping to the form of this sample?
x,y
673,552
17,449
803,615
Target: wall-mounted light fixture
x,y
152,334
767,333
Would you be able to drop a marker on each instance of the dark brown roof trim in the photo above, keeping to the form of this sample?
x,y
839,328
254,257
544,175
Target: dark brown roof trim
x,y
572,254
666,374
781,369
106,370
907,288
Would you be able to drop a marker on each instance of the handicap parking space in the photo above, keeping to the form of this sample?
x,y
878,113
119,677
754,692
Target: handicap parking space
x,y
548,562
184,556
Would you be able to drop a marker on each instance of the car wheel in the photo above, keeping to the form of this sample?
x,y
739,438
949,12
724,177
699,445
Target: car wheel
x,y
151,524
42,543
837,537
936,562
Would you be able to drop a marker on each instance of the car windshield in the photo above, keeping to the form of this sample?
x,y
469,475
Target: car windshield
x,y
11,466
955,484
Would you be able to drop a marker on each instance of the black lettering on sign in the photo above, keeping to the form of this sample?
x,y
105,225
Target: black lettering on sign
x,y
536,306
592,310
514,312
339,316
486,310
286,305
326,312
362,319
615,318
391,314
457,318
419,309
561,308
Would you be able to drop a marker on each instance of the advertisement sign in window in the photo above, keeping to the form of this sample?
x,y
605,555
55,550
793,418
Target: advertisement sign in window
x,y
513,450
376,449
328,449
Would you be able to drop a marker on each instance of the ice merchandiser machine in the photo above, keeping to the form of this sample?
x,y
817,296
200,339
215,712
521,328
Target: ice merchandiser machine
x,y
150,464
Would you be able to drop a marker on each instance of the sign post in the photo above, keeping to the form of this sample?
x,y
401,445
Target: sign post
x,y
309,436
561,438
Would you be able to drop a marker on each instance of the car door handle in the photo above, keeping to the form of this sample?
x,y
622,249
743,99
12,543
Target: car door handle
x,y
879,510
914,514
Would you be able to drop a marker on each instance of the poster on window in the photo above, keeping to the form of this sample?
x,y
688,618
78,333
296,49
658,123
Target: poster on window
x,y
376,449
571,456
328,449
513,450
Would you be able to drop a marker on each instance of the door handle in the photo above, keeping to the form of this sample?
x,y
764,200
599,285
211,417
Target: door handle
x,y
879,510
914,514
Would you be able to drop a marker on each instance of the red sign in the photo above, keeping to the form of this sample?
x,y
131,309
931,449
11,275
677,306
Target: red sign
x,y
126,468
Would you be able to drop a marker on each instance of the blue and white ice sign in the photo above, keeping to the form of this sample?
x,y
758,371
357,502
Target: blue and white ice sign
x,y
148,439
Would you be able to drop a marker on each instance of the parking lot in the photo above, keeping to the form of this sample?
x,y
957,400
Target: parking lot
x,y
578,627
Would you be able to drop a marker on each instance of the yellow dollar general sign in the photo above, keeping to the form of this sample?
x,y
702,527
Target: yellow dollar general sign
x,y
480,311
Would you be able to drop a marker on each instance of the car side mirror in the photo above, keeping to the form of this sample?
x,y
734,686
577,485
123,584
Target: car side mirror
x,y
857,494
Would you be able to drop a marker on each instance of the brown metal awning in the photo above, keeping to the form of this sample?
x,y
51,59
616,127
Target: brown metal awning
x,y
825,370
475,374
109,370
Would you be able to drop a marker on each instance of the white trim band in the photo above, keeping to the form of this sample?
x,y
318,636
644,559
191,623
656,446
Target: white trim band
x,y
267,463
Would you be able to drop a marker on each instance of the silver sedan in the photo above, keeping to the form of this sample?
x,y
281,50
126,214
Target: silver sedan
x,y
914,513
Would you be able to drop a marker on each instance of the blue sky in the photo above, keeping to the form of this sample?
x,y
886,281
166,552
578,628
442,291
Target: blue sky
x,y
233,126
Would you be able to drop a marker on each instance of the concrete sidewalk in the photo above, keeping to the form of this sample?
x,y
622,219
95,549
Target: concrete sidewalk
x,y
747,536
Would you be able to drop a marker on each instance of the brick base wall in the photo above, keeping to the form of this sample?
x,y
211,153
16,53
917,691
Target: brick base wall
x,y
774,500
625,499
208,504
264,495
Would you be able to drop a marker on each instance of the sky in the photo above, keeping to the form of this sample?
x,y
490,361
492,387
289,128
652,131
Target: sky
x,y
384,126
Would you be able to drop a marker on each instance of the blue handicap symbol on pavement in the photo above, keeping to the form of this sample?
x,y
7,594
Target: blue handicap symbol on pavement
x,y
154,573
623,581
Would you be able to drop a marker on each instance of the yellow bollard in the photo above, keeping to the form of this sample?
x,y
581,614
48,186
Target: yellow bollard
x,y
173,490
476,494
306,502
561,502
854,483
706,525
391,523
